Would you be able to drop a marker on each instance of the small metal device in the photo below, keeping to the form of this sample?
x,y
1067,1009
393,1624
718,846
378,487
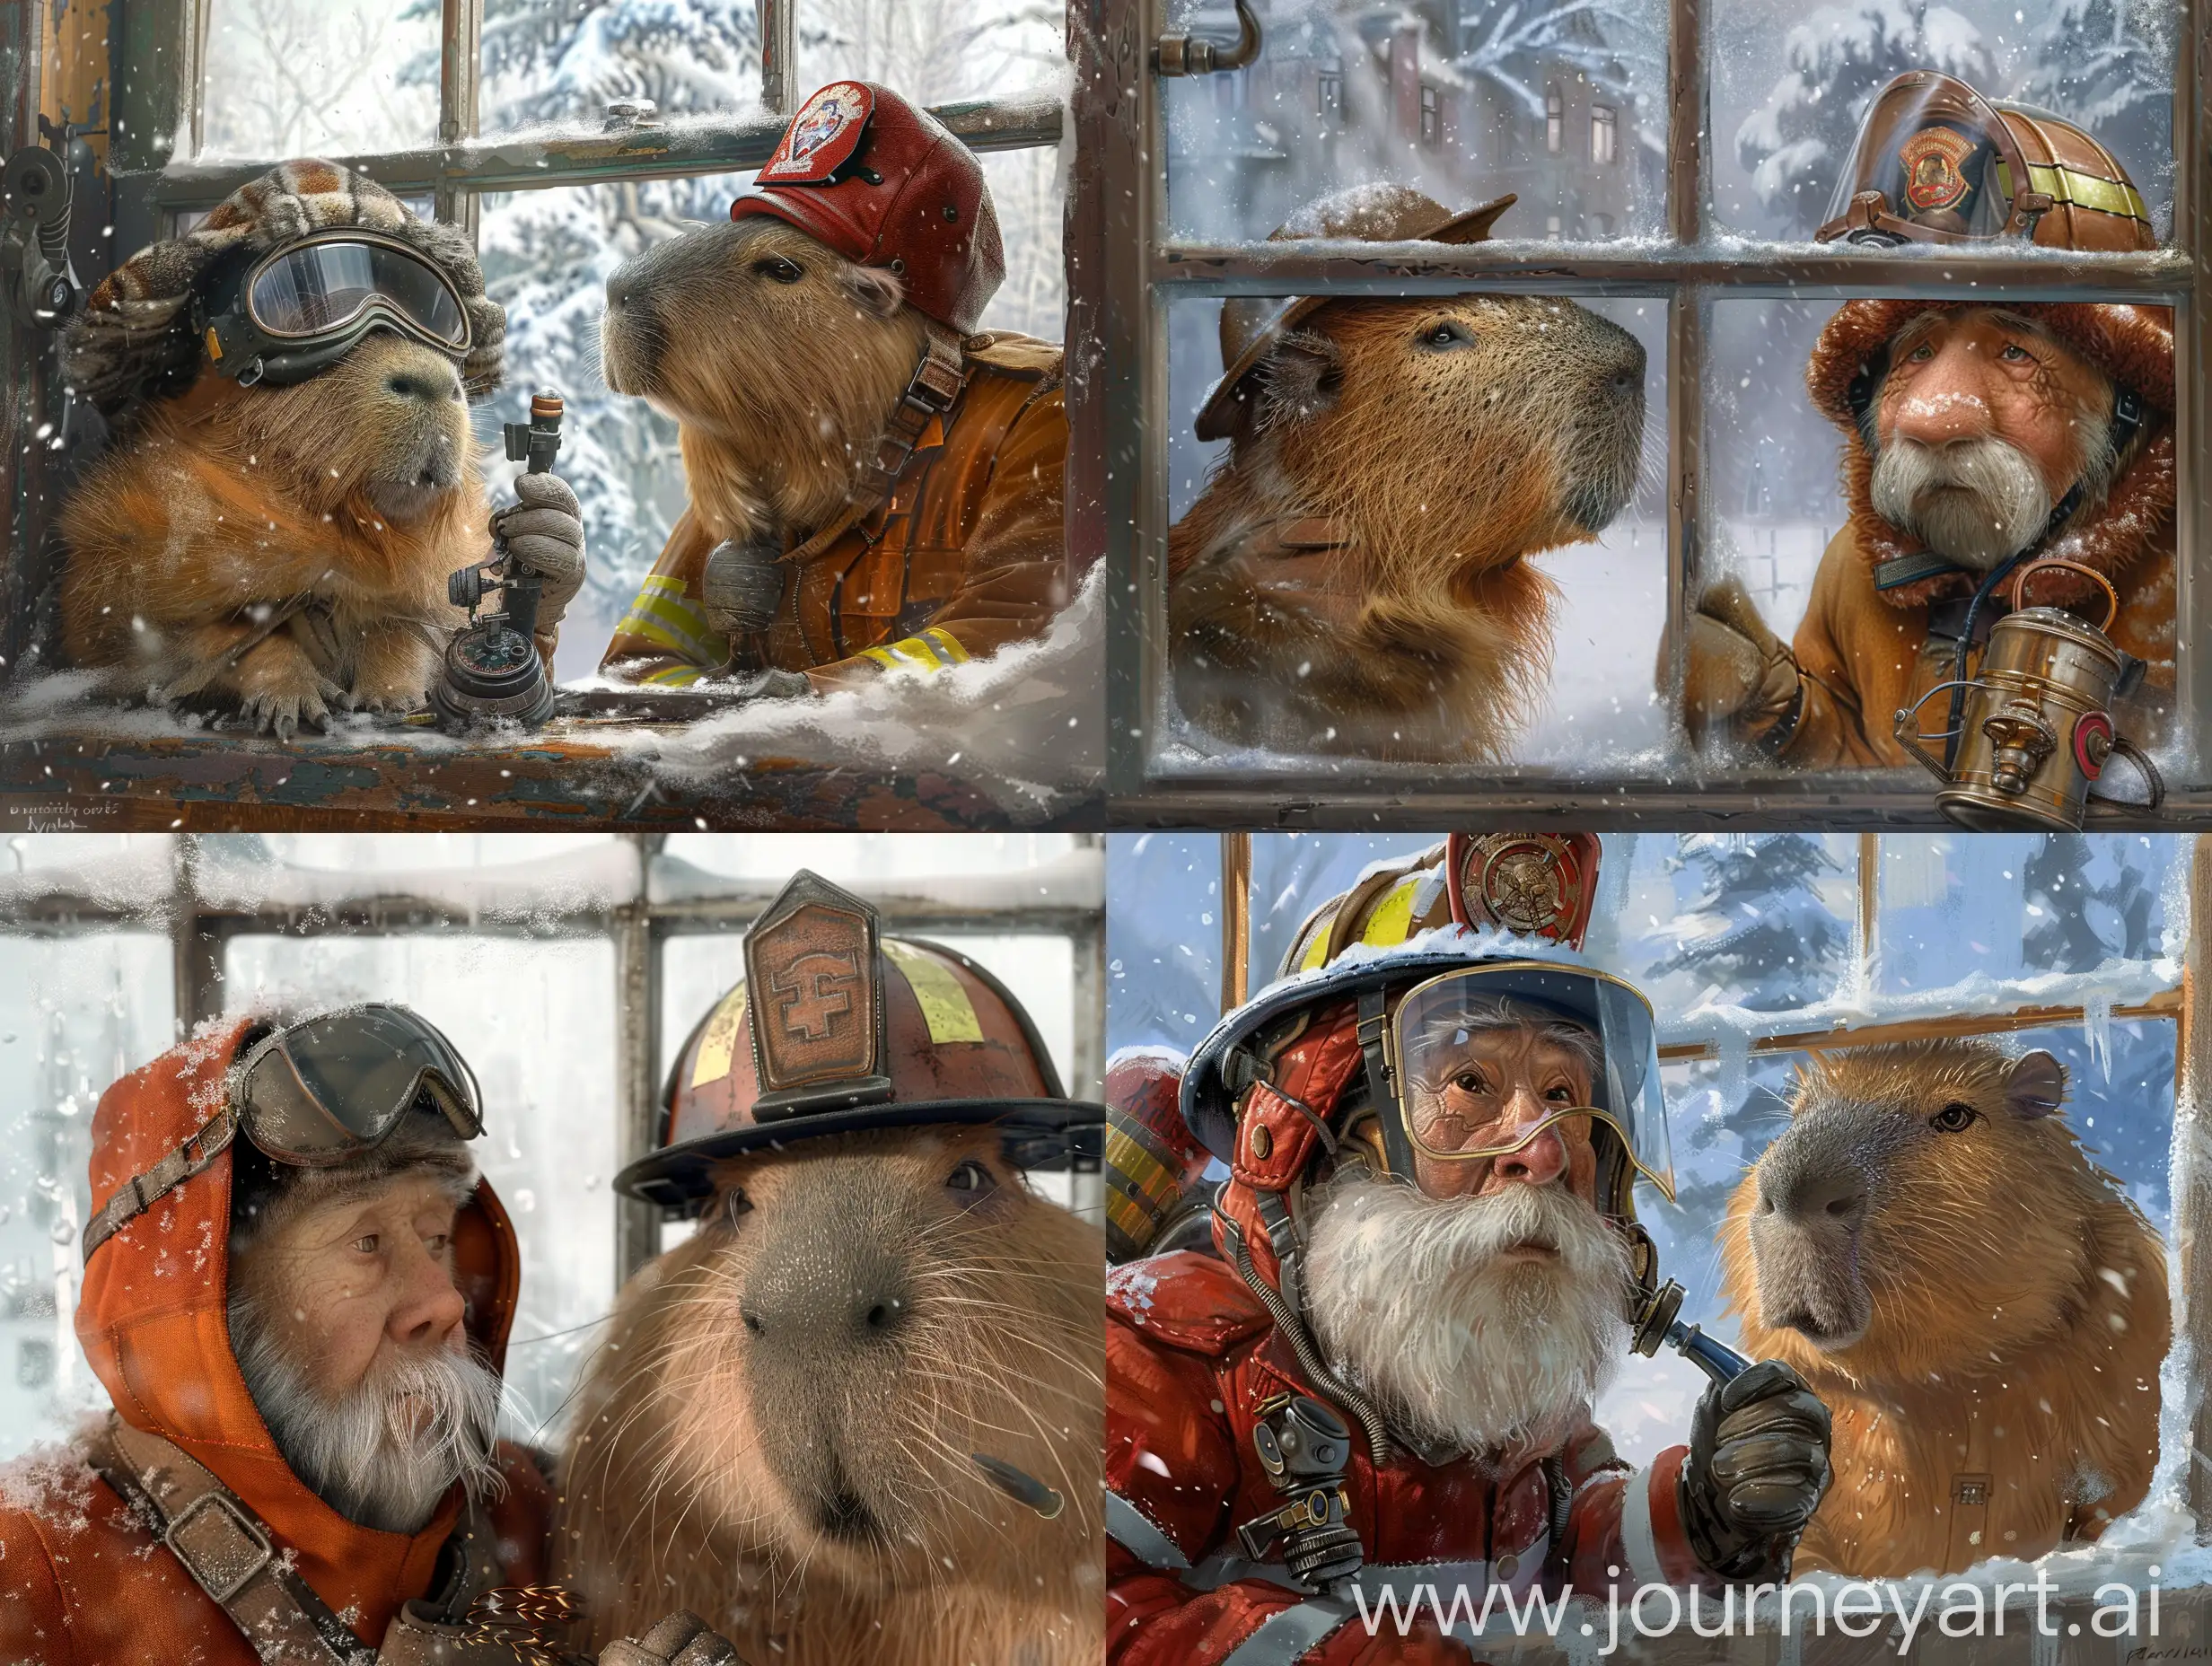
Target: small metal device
x,y
492,670
1659,1323
42,288
1181,52
1304,1446
2036,730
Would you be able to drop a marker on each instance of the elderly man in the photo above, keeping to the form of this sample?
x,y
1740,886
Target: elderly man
x,y
1976,438
1383,1382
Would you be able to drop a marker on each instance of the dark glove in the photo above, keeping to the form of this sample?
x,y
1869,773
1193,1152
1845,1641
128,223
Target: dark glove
x,y
1757,1467
1741,680
772,685
544,532
682,1639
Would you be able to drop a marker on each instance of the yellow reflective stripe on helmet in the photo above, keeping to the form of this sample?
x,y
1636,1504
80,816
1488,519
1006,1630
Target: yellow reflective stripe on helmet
x,y
718,1040
1394,916
1317,950
1130,1218
933,650
675,676
946,1009
2086,190
665,617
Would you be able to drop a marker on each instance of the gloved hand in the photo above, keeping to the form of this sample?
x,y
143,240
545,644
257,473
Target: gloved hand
x,y
1740,677
1757,1467
773,685
682,1639
544,534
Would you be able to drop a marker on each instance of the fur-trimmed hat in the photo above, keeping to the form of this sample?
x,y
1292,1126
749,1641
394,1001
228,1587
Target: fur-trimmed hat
x,y
2132,344
134,341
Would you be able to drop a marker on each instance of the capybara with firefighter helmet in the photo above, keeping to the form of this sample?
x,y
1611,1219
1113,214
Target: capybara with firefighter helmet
x,y
1354,578
856,1416
1983,1309
292,477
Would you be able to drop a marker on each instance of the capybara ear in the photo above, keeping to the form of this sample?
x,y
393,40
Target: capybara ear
x,y
875,290
2035,1086
1298,380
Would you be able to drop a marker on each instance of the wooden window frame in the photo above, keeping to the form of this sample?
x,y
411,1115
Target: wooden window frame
x,y
1122,427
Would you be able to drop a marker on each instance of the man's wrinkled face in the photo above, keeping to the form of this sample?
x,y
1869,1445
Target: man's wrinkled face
x,y
1482,1088
1983,422
364,1279
348,1329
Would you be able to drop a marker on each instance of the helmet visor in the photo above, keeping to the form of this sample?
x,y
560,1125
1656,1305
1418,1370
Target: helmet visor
x,y
1491,1057
1945,164
321,1090
325,288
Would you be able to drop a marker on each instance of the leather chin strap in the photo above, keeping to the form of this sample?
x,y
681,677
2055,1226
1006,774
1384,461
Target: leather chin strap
x,y
200,1149
231,1554
931,391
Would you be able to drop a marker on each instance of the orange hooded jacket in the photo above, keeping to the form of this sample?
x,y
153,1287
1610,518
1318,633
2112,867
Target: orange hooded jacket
x,y
82,1582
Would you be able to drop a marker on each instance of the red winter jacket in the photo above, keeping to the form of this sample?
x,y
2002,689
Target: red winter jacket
x,y
1190,1355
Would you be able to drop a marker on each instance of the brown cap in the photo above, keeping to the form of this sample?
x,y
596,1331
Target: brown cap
x,y
837,1030
1374,214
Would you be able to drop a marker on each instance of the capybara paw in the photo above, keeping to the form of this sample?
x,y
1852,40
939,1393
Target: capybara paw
x,y
279,688
283,714
394,675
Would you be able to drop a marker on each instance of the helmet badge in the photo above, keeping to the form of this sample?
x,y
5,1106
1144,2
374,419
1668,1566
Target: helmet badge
x,y
1935,160
814,979
822,137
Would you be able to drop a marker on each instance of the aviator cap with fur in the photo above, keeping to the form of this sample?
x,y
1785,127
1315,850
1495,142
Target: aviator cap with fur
x,y
134,341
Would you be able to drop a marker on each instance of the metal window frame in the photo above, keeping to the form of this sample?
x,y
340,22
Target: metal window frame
x,y
1119,129
201,932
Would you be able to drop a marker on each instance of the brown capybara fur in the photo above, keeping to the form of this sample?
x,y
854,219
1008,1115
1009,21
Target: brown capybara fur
x,y
1969,1293
780,361
777,1433
1447,440
354,491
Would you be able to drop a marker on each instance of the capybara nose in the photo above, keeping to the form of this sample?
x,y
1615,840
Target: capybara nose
x,y
1815,1197
423,387
803,1306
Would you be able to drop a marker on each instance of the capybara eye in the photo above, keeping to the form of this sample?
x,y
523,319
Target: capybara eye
x,y
735,1203
1447,335
1953,1117
779,268
971,1178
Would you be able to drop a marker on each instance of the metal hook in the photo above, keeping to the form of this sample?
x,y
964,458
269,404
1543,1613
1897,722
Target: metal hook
x,y
1179,54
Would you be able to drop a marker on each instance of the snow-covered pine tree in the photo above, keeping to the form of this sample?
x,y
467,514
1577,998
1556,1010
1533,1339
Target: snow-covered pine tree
x,y
1795,143
1760,931
2109,66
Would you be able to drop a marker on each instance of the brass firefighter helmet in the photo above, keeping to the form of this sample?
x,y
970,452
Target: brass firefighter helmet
x,y
1936,162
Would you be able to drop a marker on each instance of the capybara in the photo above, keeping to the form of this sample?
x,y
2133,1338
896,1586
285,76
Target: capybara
x,y
777,1433
780,403
280,550
1354,578
1982,1308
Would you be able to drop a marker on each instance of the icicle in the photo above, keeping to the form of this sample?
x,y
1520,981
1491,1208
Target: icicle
x,y
2097,1030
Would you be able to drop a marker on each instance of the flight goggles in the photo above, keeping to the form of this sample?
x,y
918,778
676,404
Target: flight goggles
x,y
302,308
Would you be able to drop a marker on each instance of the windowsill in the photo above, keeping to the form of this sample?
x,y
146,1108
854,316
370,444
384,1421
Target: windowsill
x,y
117,772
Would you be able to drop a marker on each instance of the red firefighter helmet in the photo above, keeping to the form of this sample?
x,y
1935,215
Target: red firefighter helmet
x,y
886,184
839,1029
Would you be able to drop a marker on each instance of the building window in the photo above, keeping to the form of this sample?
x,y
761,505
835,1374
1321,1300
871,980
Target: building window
x,y
1604,135
1331,97
1432,118
1555,122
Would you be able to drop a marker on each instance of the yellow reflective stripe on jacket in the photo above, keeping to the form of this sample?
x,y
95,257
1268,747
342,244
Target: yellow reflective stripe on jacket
x,y
675,676
933,650
665,617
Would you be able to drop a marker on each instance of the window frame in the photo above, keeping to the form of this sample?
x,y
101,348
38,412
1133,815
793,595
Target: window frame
x,y
1121,133
141,66
200,931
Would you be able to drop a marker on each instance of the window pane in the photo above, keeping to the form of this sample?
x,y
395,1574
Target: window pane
x,y
1466,102
77,1014
547,257
1393,444
536,1021
2013,905
319,77
566,61
1029,190
851,858
400,853
1794,489
1790,85
933,51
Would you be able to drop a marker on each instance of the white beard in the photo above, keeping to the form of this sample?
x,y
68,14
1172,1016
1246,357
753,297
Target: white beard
x,y
1976,503
1461,1348
385,1453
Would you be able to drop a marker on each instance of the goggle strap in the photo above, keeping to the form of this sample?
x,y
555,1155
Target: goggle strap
x,y
1381,1081
200,1149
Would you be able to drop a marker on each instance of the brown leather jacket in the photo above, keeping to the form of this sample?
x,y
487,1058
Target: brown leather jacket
x,y
83,1581
967,554
1861,657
